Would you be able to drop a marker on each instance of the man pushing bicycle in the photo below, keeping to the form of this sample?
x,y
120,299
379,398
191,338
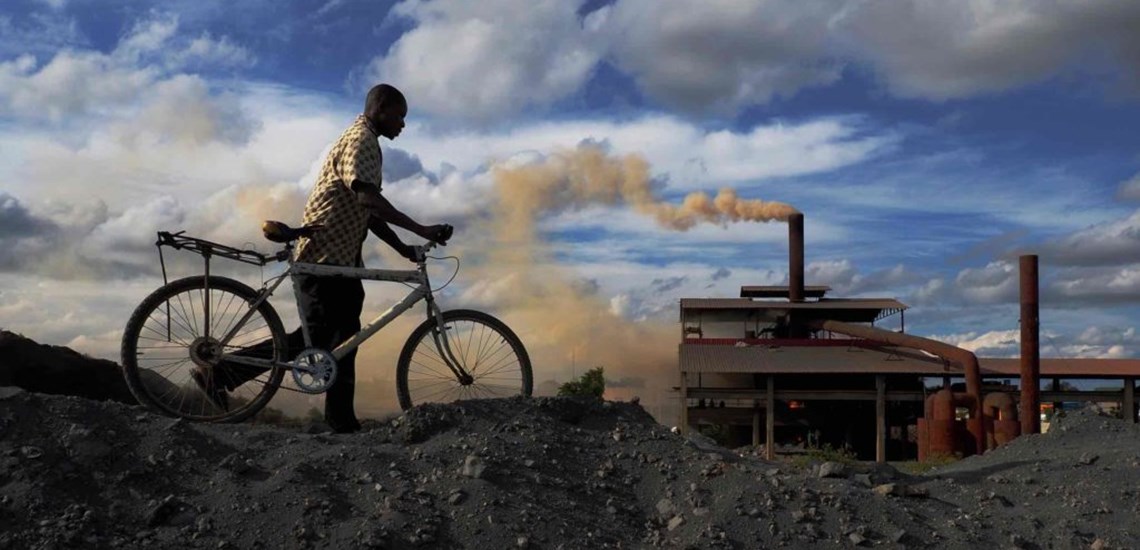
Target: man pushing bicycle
x,y
346,203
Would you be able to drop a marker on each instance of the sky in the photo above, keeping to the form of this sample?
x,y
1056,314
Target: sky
x,y
928,143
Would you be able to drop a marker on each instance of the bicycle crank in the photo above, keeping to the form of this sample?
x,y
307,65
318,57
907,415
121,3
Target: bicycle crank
x,y
314,370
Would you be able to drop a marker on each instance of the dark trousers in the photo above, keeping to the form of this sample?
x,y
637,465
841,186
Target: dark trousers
x,y
332,307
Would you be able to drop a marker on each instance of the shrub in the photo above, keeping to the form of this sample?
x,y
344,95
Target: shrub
x,y
591,384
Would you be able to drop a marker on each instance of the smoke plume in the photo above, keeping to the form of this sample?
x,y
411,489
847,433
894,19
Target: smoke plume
x,y
568,327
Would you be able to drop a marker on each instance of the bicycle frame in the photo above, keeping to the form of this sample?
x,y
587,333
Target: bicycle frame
x,y
422,291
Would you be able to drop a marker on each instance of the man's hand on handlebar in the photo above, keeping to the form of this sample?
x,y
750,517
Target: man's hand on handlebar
x,y
410,252
437,233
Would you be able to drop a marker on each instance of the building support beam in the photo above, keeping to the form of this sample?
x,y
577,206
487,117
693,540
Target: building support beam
x,y
770,420
1128,407
755,424
684,403
880,418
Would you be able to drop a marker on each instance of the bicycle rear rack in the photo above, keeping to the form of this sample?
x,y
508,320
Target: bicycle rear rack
x,y
209,249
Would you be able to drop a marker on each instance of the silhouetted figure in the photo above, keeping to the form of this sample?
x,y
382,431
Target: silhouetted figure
x,y
347,202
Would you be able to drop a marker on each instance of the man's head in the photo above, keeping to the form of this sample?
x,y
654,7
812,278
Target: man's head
x,y
385,107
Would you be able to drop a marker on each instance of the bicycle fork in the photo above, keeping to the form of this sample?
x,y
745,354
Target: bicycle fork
x,y
443,346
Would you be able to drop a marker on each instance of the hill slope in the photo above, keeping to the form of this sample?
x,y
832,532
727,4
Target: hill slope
x,y
525,473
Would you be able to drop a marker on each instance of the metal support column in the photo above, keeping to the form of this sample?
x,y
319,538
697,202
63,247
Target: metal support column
x,y
770,420
1030,346
880,418
684,403
755,424
1128,407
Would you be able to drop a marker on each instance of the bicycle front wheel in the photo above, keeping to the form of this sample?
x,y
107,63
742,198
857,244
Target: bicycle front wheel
x,y
486,349
171,350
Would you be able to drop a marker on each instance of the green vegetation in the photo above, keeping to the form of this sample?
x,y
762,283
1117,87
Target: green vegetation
x,y
914,467
591,384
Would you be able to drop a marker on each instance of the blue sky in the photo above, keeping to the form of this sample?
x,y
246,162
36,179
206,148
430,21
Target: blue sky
x,y
928,144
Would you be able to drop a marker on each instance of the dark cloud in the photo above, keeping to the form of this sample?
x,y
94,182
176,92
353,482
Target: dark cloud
x,y
586,287
400,164
1112,243
942,50
722,273
16,221
1129,190
667,284
1093,286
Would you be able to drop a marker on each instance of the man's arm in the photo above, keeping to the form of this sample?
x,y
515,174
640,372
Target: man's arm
x,y
388,235
369,195
383,212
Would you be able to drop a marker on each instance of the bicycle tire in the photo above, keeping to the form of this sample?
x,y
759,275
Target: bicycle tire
x,y
517,373
154,390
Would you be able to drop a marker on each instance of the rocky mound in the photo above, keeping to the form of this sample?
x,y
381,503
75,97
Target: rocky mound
x,y
523,473
58,370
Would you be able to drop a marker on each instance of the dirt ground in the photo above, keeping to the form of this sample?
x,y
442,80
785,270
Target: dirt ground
x,y
530,473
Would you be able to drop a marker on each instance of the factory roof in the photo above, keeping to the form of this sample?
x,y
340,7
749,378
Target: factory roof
x,y
757,291
856,310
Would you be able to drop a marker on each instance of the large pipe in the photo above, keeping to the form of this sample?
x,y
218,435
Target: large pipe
x,y
796,257
1030,348
964,358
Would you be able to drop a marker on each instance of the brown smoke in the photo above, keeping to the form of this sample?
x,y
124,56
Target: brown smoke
x,y
568,329
587,175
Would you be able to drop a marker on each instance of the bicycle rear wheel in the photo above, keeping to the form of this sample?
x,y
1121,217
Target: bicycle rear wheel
x,y
166,346
487,349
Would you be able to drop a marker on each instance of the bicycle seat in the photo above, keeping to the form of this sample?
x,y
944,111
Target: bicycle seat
x,y
281,233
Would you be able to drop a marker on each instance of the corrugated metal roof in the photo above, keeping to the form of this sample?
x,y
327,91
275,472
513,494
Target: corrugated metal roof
x,y
852,310
822,304
808,360
881,360
765,291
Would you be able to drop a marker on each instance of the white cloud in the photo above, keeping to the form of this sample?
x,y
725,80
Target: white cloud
x,y
206,50
158,40
52,90
996,343
477,62
502,58
723,54
942,50
38,33
693,158
1097,342
75,83
995,283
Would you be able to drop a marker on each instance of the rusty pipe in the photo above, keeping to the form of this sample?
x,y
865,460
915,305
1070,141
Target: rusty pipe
x,y
796,257
999,405
963,358
1030,347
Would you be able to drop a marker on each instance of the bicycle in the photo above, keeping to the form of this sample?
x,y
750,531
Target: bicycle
x,y
199,329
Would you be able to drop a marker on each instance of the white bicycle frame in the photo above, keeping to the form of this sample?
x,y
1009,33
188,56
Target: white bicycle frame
x,y
421,291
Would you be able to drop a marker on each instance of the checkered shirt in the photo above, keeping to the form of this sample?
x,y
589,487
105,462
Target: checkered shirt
x,y
332,203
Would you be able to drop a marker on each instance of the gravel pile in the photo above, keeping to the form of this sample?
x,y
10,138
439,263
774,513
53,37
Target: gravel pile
x,y
528,473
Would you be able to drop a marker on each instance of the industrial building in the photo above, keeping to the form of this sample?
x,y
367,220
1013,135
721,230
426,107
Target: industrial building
x,y
790,365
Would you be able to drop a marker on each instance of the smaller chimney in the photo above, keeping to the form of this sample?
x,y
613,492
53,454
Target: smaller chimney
x,y
1030,347
796,257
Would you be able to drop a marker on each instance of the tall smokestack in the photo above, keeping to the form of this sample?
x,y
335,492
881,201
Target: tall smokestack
x,y
796,257
1030,348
